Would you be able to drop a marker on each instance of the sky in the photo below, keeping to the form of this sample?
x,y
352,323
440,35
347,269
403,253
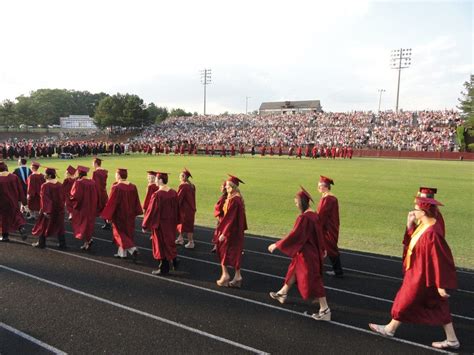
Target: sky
x,y
337,52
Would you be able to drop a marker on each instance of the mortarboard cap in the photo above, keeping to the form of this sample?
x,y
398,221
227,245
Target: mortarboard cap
x,y
326,180
187,173
427,192
427,202
150,172
71,170
123,173
82,169
304,194
35,164
235,180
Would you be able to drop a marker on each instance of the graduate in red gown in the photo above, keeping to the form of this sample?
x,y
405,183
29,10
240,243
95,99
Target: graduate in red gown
x,y
122,207
151,188
328,211
67,186
305,245
219,214
11,196
84,197
187,209
34,182
51,215
161,218
99,176
230,242
429,271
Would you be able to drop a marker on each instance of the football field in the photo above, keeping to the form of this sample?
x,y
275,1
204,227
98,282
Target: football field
x,y
374,195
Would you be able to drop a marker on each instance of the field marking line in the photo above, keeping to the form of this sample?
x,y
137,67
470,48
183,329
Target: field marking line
x,y
134,310
281,278
32,339
396,260
247,300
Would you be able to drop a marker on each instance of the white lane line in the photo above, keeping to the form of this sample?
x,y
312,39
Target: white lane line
x,y
396,260
282,278
137,311
31,339
247,300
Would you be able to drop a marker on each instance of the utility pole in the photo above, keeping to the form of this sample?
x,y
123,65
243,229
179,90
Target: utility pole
x,y
247,104
380,96
401,59
205,80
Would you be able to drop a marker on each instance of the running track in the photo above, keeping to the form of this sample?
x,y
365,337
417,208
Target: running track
x,y
71,301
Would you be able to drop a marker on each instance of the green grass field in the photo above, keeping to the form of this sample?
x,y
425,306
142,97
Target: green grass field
x,y
374,195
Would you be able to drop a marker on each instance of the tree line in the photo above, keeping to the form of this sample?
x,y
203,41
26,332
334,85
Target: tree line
x,y
44,107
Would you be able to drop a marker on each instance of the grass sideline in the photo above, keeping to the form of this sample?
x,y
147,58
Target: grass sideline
x,y
374,195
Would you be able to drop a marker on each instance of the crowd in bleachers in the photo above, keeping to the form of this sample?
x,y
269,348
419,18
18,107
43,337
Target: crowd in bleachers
x,y
417,131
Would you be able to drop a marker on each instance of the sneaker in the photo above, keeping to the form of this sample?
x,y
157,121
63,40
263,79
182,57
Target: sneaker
x,y
333,274
323,315
189,245
280,297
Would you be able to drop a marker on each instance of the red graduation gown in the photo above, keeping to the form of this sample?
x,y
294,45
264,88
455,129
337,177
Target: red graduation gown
x,y
149,192
218,213
161,218
232,226
67,186
431,267
122,208
305,245
84,198
11,194
100,178
34,183
328,211
187,207
52,203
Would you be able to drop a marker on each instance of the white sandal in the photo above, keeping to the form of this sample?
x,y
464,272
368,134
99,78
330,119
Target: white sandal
x,y
322,315
280,297
380,329
446,344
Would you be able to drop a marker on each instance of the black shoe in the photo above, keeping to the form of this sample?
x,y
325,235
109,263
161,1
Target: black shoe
x,y
106,227
176,263
5,239
118,256
61,242
23,234
214,249
41,243
135,256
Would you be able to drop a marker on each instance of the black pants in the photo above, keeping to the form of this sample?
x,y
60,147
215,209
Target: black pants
x,y
336,264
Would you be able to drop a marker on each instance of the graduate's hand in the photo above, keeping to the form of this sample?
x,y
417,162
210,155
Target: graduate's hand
x,y
411,219
272,247
221,238
442,292
325,253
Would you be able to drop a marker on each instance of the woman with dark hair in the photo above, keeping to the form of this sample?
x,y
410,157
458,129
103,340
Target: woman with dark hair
x,y
429,272
187,209
161,217
51,215
230,242
305,244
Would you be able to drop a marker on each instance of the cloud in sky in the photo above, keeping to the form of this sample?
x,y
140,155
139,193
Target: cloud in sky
x,y
337,52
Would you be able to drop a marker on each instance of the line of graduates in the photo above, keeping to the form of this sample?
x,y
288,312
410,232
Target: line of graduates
x,y
428,264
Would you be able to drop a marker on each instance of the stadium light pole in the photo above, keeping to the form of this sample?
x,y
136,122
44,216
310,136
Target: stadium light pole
x,y
205,80
380,96
247,104
400,59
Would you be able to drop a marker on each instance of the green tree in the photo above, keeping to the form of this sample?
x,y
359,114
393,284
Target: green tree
x,y
26,112
179,112
466,102
156,114
121,110
134,112
7,113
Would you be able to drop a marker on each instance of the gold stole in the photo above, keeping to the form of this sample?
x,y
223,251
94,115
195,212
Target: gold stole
x,y
226,203
415,237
